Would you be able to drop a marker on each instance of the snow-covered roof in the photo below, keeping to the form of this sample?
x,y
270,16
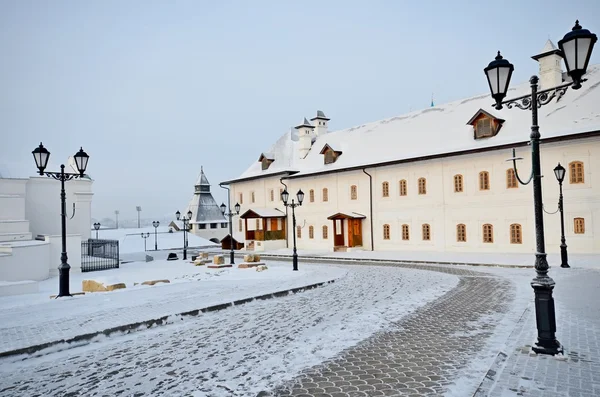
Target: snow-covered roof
x,y
437,131
305,123
263,213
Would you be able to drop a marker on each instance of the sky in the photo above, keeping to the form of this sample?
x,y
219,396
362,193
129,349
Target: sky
x,y
152,90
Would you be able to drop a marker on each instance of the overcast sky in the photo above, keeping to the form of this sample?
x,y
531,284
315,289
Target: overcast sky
x,y
152,90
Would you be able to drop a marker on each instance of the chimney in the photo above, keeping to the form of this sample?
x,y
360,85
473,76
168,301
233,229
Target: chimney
x,y
305,135
550,66
320,123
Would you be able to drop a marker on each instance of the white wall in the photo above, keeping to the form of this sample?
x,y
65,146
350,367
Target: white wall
x,y
25,262
441,207
209,233
73,253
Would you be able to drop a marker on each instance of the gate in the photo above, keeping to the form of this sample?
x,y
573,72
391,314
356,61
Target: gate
x,y
99,255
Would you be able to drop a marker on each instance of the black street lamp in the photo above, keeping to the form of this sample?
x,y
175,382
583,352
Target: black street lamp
x,y
186,225
155,224
97,227
145,236
559,172
576,48
41,156
284,197
230,215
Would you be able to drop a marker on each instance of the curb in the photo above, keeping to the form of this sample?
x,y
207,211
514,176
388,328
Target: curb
x,y
321,259
128,328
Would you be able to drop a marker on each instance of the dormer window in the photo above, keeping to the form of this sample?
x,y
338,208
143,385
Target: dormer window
x,y
330,154
485,125
266,159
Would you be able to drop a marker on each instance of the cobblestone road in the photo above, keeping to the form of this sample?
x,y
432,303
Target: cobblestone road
x,y
248,350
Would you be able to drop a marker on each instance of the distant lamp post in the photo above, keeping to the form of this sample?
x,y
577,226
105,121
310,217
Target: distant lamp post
x,y
117,218
284,197
559,172
230,215
155,224
41,156
186,226
145,236
139,210
576,48
96,227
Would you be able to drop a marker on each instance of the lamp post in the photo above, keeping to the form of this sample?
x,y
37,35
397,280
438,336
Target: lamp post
x,y
576,48
186,226
41,156
117,218
230,215
145,236
559,172
155,224
96,228
284,197
139,210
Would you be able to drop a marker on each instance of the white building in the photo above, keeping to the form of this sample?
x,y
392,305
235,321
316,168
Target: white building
x,y
207,220
30,229
432,180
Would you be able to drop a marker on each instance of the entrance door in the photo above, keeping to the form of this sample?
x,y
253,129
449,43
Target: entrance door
x,y
357,242
338,229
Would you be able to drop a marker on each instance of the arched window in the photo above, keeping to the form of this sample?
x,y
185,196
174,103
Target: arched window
x,y
579,225
311,232
484,180
252,197
422,186
385,189
458,183
461,233
240,225
272,195
511,179
576,172
298,232
426,232
325,232
386,232
488,233
311,195
516,235
241,200
405,232
325,194
403,187
353,192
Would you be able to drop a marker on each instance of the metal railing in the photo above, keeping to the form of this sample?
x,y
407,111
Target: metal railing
x,y
99,255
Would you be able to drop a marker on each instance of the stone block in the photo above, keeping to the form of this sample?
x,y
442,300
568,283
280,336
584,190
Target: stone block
x,y
204,255
218,266
149,258
199,262
152,282
261,268
256,258
92,286
113,287
218,260
247,265
249,258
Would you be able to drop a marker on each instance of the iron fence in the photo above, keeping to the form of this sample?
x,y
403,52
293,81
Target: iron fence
x,y
99,255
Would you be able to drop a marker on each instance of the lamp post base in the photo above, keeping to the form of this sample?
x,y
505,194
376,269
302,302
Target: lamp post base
x,y
295,262
545,317
63,280
231,258
563,256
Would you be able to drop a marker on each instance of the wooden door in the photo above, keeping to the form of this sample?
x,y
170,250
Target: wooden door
x,y
350,232
357,233
274,224
338,232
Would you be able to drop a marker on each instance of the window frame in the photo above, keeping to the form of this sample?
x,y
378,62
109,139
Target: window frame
x,y
405,232
484,180
386,231
422,183
426,232
576,172
403,187
487,230
461,233
516,233
579,225
325,232
311,232
325,195
458,183
311,195
385,189
353,192
511,179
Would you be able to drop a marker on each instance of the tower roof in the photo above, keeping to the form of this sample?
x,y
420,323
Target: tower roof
x,y
203,205
306,124
549,49
202,180
320,116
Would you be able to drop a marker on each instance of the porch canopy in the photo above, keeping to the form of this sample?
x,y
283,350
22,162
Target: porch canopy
x,y
351,215
351,221
269,224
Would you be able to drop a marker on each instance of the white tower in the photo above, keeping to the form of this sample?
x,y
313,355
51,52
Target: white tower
x,y
550,66
305,135
320,123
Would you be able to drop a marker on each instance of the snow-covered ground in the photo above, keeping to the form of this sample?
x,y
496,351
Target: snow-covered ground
x,y
239,351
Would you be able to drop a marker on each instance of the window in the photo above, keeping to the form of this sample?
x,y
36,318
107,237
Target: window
x,y
516,236
298,232
325,194
240,225
252,197
484,127
461,233
458,183
484,180
280,191
213,225
272,195
405,234
202,226
385,187
579,225
325,232
511,179
422,186
488,233
311,195
386,232
257,224
311,232
241,198
426,232
265,163
223,225
329,157
403,187
353,192
576,168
